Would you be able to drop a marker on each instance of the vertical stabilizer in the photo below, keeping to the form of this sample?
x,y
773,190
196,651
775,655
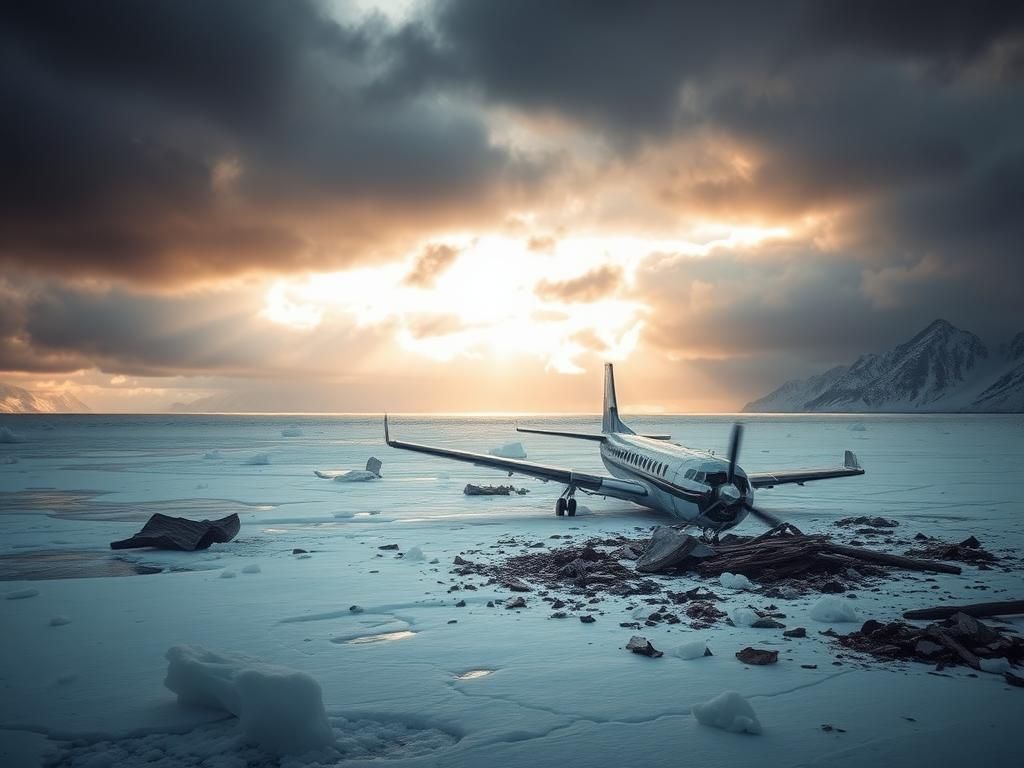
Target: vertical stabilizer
x,y
610,421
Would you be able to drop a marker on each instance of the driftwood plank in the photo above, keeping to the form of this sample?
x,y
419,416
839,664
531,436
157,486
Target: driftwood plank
x,y
908,563
978,610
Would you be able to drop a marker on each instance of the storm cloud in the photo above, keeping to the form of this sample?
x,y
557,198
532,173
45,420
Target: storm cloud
x,y
163,147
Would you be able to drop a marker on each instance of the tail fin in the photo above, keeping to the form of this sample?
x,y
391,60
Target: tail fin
x,y
610,421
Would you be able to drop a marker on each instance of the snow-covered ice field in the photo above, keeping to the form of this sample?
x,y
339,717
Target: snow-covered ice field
x,y
412,679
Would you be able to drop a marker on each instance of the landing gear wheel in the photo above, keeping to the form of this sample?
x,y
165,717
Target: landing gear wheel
x,y
571,507
560,507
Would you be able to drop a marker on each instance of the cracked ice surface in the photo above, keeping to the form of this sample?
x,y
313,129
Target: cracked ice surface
x,y
558,692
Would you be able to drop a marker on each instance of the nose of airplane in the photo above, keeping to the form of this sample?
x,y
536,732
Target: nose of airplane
x,y
729,494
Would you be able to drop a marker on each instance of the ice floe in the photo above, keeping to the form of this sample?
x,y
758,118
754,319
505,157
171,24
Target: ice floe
x,y
728,711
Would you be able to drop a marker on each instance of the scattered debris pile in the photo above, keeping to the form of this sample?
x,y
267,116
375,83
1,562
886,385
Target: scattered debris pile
x,y
967,551
958,639
493,490
166,532
579,566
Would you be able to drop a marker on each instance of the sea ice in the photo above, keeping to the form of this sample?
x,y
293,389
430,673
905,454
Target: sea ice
x,y
743,617
695,649
280,709
728,711
254,568
831,609
414,553
291,432
7,436
228,574
258,459
735,581
509,451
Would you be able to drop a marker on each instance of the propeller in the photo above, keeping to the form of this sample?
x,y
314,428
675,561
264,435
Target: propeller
x,y
734,450
735,441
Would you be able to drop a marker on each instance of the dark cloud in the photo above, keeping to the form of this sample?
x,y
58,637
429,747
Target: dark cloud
x,y
171,140
591,286
433,261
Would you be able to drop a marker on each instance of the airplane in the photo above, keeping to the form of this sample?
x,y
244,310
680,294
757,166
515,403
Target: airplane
x,y
695,486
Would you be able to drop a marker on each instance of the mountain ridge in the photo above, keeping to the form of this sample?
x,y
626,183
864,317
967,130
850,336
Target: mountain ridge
x,y
941,369
19,400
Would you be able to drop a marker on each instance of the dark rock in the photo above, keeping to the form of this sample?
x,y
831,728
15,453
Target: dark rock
x,y
970,542
516,585
490,603
558,604
355,609
797,632
832,588
459,560
642,646
298,551
767,624
453,621
515,602
808,666
870,626
559,615
586,618
630,624
460,604
166,532
388,546
757,656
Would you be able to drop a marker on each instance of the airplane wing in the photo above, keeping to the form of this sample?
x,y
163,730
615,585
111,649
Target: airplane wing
x,y
600,484
850,468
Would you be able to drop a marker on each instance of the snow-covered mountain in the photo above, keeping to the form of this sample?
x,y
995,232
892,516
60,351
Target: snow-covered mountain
x,y
17,400
941,369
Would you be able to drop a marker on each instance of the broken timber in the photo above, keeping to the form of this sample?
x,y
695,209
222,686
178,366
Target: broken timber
x,y
978,610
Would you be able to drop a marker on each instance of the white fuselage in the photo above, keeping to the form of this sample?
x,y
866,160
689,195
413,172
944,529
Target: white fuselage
x,y
677,478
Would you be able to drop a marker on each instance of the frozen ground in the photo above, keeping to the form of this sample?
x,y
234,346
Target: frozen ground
x,y
82,660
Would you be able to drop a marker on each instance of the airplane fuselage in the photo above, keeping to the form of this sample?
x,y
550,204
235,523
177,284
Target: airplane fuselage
x,y
676,479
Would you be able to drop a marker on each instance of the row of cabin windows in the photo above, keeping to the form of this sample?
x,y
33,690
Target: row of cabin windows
x,y
643,462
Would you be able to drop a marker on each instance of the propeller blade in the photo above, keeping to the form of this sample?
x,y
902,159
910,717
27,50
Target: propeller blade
x,y
734,449
765,517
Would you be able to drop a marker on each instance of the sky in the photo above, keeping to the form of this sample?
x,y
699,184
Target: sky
x,y
470,205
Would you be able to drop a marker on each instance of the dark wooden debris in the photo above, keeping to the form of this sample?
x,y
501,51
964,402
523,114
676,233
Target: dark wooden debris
x,y
166,532
978,610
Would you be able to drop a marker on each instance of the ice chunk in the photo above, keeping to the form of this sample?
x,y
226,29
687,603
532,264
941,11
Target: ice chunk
x,y
214,454
21,594
728,711
279,709
743,617
509,451
414,553
834,610
7,436
695,649
259,459
227,574
291,432
735,581
355,476
254,568
996,666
